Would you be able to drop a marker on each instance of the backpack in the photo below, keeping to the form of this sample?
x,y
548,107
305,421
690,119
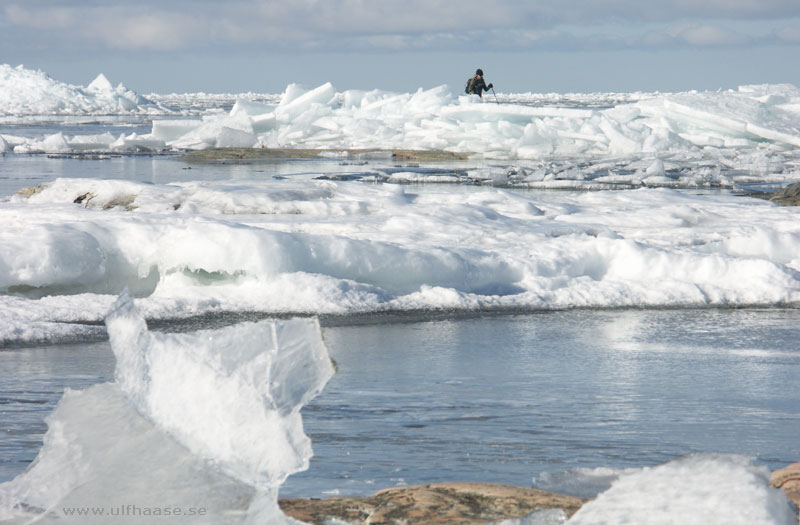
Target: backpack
x,y
468,89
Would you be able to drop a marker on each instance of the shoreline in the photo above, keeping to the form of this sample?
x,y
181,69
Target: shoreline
x,y
469,503
401,155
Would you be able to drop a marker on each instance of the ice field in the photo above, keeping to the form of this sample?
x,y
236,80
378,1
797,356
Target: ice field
x,y
343,248
736,130
596,202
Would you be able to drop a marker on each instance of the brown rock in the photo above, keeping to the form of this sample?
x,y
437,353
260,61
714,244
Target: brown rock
x,y
31,190
435,504
788,479
788,196
242,154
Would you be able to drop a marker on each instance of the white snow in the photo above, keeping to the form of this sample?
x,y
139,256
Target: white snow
x,y
697,489
312,246
206,422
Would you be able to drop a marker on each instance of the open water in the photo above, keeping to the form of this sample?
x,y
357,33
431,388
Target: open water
x,y
499,398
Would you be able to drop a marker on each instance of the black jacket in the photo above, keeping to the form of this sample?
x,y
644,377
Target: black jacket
x,y
476,85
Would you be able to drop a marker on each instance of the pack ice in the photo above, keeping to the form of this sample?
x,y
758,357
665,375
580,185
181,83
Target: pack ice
x,y
323,247
200,427
435,119
521,127
26,92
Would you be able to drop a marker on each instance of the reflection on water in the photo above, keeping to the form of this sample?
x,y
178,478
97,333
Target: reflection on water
x,y
504,398
32,380
20,171
501,398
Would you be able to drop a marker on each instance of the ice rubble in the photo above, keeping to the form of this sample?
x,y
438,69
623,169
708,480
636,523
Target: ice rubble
x,y
435,119
522,127
341,248
206,422
25,92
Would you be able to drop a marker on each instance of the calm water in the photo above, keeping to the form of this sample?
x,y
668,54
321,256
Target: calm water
x,y
20,171
500,398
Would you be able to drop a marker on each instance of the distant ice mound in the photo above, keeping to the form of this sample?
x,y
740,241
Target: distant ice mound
x,y
200,428
25,92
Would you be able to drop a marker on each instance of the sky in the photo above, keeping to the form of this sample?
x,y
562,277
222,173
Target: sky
x,y
540,46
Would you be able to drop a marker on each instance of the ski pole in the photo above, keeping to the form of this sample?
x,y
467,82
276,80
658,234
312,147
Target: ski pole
x,y
495,95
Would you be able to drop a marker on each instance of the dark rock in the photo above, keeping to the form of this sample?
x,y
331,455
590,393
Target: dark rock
x,y
788,196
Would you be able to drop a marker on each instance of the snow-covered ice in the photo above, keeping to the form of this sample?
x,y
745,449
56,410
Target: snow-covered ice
x,y
25,92
697,489
726,127
323,247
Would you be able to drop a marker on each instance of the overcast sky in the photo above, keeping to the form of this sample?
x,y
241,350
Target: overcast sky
x,y
168,46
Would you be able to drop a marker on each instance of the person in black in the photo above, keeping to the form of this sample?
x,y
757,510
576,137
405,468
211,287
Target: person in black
x,y
476,85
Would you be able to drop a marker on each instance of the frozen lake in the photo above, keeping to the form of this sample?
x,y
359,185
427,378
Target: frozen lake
x,y
501,398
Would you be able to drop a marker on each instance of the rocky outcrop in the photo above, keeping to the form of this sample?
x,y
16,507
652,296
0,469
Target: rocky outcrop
x,y
788,479
435,504
788,196
30,190
462,503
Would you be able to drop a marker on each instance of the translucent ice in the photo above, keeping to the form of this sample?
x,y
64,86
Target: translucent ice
x,y
231,395
203,425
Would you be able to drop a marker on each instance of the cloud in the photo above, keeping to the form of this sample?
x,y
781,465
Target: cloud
x,y
58,18
788,35
736,9
321,25
165,31
115,27
710,36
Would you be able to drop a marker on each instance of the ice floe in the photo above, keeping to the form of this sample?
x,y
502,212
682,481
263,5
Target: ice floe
x,y
201,427
325,247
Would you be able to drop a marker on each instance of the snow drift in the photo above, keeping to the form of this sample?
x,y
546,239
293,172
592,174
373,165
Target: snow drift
x,y
697,489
